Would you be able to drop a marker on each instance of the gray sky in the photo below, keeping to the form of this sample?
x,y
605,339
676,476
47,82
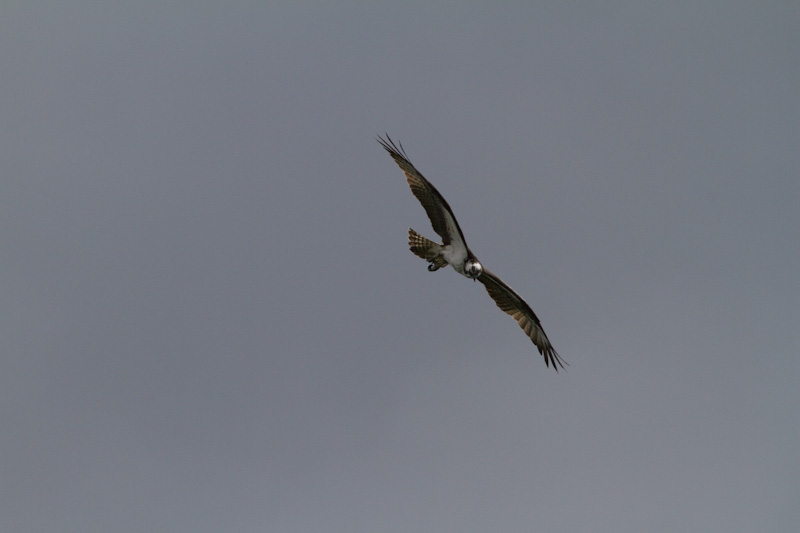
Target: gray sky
x,y
211,320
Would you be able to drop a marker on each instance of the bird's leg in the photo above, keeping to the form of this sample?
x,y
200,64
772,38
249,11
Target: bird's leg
x,y
432,267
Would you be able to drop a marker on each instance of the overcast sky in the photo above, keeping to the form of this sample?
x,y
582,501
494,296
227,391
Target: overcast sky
x,y
211,320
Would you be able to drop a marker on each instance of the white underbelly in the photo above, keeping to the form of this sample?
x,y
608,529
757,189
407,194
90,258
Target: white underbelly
x,y
456,258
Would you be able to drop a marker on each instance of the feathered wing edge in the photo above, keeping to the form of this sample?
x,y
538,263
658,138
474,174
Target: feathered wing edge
x,y
432,201
512,304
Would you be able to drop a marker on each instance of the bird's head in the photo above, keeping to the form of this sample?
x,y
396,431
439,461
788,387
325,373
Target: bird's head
x,y
473,269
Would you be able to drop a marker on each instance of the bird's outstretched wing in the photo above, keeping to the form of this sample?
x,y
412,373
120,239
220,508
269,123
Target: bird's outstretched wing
x,y
442,219
512,304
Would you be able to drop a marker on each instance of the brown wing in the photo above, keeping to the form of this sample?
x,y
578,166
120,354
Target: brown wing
x,y
512,304
442,219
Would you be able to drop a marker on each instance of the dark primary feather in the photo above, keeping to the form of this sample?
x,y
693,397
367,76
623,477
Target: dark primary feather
x,y
512,304
432,201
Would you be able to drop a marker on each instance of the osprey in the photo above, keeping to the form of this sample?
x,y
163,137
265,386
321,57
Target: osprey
x,y
454,252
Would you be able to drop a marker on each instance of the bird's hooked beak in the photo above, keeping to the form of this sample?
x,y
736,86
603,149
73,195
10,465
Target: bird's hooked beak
x,y
474,270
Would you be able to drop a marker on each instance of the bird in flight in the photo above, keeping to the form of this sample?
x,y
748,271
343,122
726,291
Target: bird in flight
x,y
454,252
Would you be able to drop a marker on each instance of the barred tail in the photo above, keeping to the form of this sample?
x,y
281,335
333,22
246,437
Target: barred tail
x,y
425,248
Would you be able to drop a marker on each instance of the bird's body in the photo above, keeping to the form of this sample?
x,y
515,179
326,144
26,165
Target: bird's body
x,y
454,252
